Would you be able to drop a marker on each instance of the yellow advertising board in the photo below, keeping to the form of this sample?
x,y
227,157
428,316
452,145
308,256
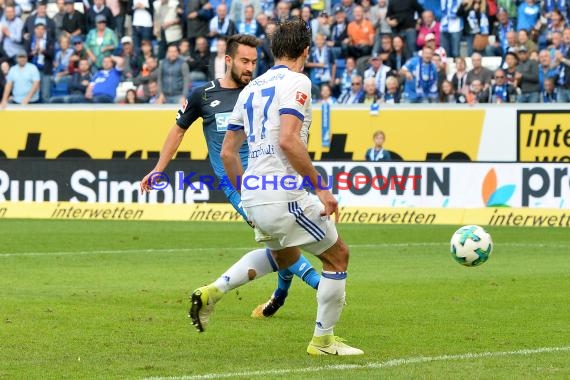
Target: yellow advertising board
x,y
543,135
413,134
214,212
101,134
121,132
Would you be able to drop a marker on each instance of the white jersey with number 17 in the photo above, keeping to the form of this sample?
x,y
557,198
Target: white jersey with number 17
x,y
260,104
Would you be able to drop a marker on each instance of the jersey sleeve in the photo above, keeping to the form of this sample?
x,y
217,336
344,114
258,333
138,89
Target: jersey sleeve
x,y
190,111
295,97
235,122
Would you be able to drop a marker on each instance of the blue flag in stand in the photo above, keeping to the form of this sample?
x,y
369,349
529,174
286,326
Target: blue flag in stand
x,y
326,125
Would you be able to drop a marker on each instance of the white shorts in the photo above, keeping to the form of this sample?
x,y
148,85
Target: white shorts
x,y
294,224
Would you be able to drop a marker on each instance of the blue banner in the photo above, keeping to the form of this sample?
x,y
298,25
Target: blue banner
x,y
326,125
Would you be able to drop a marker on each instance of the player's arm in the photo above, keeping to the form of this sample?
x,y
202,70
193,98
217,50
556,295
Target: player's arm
x,y
233,142
297,154
294,149
295,105
170,147
188,114
171,144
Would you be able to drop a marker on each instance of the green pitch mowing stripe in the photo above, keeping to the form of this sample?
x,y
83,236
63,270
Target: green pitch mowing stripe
x,y
387,364
109,300
245,249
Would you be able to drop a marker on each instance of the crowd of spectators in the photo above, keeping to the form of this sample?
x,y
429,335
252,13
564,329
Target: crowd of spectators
x,y
364,51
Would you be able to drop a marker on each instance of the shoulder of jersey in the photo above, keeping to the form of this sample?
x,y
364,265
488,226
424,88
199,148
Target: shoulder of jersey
x,y
208,86
295,76
203,88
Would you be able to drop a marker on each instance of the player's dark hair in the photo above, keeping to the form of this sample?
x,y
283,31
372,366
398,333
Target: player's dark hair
x,y
290,39
240,39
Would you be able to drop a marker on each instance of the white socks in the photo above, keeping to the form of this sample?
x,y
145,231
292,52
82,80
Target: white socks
x,y
252,265
259,262
330,299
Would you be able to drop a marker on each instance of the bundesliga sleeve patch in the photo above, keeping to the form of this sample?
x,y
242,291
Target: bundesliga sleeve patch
x,y
301,98
184,106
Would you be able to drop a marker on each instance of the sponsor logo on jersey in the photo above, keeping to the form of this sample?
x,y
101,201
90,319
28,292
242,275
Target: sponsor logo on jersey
x,y
215,103
266,150
222,119
301,98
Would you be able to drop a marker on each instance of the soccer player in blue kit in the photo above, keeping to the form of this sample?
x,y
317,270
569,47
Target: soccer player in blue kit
x,y
214,102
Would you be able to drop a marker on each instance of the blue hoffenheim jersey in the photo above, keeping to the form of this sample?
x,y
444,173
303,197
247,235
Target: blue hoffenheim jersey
x,y
214,105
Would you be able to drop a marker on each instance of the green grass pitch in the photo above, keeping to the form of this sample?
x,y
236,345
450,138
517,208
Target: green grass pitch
x,y
109,300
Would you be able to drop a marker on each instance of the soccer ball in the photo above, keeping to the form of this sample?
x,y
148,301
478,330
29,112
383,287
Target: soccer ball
x,y
471,246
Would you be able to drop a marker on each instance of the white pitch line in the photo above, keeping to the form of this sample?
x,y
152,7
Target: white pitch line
x,y
374,365
115,251
194,249
201,249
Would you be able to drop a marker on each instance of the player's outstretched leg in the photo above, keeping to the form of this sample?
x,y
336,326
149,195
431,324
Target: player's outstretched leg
x,y
304,270
330,300
252,265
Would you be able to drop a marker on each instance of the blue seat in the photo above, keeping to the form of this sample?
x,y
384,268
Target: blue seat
x,y
337,52
60,88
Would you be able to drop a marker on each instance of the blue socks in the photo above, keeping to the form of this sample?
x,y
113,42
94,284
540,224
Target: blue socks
x,y
302,269
284,280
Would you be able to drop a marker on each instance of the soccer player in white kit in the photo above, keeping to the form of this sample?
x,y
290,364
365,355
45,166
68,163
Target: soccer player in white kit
x,y
273,114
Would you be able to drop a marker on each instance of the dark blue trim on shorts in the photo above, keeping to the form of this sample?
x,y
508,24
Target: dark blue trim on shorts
x,y
271,260
291,111
297,212
309,222
304,222
334,275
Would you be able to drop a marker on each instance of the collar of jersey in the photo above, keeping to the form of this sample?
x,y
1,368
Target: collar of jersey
x,y
279,67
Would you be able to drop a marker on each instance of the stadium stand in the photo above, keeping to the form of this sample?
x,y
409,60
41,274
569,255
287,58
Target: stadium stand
x,y
510,38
